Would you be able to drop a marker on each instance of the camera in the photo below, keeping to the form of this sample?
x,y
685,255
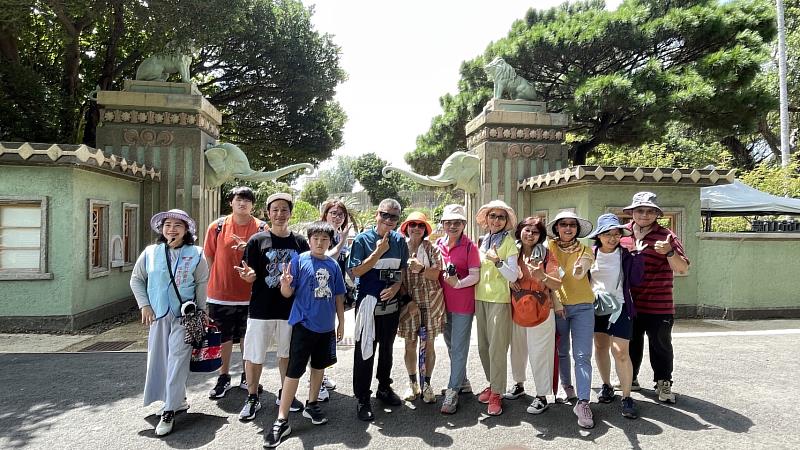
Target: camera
x,y
451,270
188,308
390,276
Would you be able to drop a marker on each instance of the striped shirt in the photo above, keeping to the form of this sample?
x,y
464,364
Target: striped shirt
x,y
654,294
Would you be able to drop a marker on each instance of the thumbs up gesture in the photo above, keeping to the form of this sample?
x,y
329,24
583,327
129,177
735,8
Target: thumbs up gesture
x,y
286,275
664,247
491,254
414,265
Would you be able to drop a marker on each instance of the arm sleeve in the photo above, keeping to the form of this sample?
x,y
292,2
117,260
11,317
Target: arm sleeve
x,y
201,282
509,269
471,279
139,282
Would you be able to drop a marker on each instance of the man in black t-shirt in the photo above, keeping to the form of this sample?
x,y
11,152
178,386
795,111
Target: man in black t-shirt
x,y
264,257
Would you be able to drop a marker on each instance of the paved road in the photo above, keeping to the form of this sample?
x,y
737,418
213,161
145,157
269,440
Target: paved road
x,y
737,386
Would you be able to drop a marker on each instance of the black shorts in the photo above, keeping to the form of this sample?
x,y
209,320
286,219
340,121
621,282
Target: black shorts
x,y
622,328
230,319
319,348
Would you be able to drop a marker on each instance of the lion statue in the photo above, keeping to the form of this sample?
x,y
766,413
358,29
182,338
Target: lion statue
x,y
159,67
505,79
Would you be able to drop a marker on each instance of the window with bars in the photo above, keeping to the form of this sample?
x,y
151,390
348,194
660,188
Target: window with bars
x,y
23,238
98,238
130,232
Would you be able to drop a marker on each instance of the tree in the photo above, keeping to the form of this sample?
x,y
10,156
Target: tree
x,y
367,169
622,76
314,192
260,62
339,178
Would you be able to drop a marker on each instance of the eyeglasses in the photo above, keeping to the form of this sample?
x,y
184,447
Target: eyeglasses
x,y
389,216
493,216
416,225
335,213
646,211
568,224
452,223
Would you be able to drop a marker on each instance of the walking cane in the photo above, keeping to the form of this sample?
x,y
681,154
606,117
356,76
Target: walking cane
x,y
423,341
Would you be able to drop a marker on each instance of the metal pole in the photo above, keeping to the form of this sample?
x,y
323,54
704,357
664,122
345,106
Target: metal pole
x,y
784,93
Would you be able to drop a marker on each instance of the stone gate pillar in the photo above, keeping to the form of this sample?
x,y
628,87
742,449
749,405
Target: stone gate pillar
x,y
514,139
167,126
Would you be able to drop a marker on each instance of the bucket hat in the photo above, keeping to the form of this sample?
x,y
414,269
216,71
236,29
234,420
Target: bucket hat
x,y
415,216
646,199
586,226
158,219
511,221
608,222
453,212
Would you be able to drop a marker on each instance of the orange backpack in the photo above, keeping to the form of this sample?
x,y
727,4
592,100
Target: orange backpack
x,y
530,308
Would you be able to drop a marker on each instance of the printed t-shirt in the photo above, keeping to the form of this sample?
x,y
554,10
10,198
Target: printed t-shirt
x,y
394,258
316,282
493,287
573,291
464,255
225,286
654,294
266,301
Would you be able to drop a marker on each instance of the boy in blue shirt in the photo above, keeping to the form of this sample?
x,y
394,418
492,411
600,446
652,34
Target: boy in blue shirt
x,y
317,284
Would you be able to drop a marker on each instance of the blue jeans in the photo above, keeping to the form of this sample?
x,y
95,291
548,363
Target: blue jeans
x,y
457,333
578,325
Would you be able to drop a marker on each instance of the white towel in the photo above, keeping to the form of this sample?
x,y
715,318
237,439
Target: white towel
x,y
365,325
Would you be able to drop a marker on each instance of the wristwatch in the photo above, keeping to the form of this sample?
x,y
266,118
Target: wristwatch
x,y
670,253
499,263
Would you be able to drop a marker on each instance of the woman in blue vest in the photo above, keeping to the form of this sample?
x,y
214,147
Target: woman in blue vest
x,y
171,266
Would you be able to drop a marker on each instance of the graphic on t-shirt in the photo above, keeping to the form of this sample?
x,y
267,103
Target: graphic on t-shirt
x,y
275,258
322,290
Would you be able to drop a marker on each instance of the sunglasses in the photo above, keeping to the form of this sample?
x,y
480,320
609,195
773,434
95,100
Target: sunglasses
x,y
416,225
568,224
452,223
389,216
494,216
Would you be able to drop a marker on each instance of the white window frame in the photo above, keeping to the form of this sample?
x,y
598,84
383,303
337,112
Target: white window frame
x,y
104,241
30,274
132,247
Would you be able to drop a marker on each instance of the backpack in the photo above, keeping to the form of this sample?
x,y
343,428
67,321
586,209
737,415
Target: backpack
x,y
530,308
221,221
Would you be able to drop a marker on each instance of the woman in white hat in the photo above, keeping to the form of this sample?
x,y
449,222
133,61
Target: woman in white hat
x,y
461,272
498,253
576,323
169,281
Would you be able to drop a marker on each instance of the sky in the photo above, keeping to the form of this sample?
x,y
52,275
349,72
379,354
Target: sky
x,y
401,57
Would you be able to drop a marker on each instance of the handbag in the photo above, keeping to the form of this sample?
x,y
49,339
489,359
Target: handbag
x,y
207,357
530,308
606,304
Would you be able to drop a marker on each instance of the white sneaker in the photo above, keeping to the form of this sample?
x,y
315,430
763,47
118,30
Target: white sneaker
x,y
412,392
328,383
427,394
664,391
323,395
164,426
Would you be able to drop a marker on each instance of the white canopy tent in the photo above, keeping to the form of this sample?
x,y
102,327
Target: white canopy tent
x,y
739,199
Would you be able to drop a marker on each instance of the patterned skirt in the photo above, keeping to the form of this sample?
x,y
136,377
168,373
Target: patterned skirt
x,y
430,300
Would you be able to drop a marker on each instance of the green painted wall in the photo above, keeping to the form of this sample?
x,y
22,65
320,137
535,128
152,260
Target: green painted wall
x,y
748,271
68,191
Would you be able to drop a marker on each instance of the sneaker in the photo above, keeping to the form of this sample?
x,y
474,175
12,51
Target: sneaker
x,y
664,391
250,408
223,386
495,404
164,426
483,397
427,394
516,391
569,393
364,410
450,402
606,394
538,405
388,396
280,429
295,406
184,407
412,392
328,383
634,386
243,385
584,413
323,395
629,408
466,387
314,412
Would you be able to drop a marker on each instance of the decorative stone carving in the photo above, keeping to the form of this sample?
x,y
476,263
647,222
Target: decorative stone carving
x,y
526,151
132,136
461,169
160,118
505,79
515,133
159,66
702,177
227,161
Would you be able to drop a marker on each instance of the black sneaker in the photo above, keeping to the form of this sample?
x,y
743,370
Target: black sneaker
x,y
280,429
243,385
250,408
516,391
295,406
629,408
364,410
606,394
388,396
223,386
314,412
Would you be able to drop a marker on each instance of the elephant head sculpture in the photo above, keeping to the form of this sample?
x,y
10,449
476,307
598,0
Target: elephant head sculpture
x,y
461,169
227,161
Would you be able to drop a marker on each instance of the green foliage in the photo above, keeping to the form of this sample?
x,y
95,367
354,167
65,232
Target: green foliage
x,y
314,192
339,178
367,169
623,76
303,212
776,180
260,62
265,189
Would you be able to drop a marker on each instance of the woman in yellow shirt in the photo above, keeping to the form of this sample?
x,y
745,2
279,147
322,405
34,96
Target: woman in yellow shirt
x,y
577,322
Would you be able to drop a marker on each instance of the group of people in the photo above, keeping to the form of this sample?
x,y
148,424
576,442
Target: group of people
x,y
535,291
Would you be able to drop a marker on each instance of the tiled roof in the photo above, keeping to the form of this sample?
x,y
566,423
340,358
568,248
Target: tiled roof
x,y
661,175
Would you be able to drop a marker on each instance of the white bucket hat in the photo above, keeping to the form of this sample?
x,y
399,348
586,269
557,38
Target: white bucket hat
x,y
158,219
586,226
453,212
511,221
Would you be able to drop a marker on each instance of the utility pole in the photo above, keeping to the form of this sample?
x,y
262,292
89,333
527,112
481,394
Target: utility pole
x,y
784,92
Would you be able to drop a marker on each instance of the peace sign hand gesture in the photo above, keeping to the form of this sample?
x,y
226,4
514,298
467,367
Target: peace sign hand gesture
x,y
241,244
286,275
640,246
246,272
